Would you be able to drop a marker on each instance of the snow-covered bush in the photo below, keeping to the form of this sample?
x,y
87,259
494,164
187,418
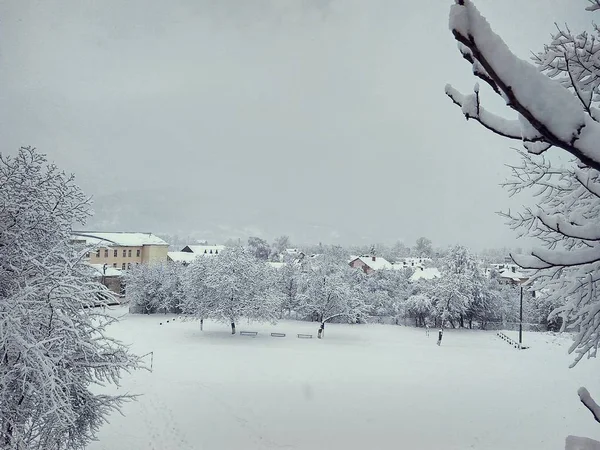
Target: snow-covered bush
x,y
53,345
155,288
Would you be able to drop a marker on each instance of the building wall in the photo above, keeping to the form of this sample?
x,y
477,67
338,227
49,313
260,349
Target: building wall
x,y
107,256
113,284
358,264
154,253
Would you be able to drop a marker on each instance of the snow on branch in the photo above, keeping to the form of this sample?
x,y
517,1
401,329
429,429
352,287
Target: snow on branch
x,y
472,109
589,402
588,232
594,5
544,259
548,111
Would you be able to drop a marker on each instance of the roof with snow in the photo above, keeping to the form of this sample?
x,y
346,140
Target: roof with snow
x,y
276,265
119,239
182,257
374,262
110,271
204,249
428,273
512,274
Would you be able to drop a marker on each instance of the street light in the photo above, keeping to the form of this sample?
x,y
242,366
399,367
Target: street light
x,y
521,319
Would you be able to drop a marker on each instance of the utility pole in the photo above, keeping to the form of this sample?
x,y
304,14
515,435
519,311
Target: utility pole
x,y
521,319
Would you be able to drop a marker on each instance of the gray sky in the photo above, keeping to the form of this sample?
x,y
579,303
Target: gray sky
x,y
322,119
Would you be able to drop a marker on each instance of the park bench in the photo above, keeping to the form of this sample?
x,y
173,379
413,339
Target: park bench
x,y
248,333
278,334
305,336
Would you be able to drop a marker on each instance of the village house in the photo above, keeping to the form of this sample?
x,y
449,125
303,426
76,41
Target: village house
x,y
370,263
121,250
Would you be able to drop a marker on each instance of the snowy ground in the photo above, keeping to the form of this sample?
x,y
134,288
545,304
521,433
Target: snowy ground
x,y
362,387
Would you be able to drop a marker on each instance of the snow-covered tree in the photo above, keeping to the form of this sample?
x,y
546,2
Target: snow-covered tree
x,y
242,287
259,248
455,291
154,288
53,345
397,252
556,104
198,299
386,291
423,248
278,248
420,307
331,289
289,278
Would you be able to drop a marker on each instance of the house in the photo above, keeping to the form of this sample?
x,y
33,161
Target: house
x,y
425,273
370,263
509,273
207,250
512,276
184,258
121,250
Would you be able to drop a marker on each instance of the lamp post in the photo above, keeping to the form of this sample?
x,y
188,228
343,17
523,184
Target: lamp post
x,y
521,319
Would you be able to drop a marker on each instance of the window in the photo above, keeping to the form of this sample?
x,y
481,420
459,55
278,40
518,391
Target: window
x,y
87,255
129,253
115,253
123,266
124,255
106,253
137,253
129,264
115,265
98,253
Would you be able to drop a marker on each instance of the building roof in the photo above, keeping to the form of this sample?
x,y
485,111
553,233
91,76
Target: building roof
x,y
276,265
119,239
428,273
378,264
513,275
204,249
182,257
110,270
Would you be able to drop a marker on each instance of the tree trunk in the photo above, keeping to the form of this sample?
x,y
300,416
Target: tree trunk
x,y
462,321
470,324
201,324
232,327
416,321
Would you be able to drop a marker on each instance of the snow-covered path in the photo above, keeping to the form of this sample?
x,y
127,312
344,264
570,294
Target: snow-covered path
x,y
366,386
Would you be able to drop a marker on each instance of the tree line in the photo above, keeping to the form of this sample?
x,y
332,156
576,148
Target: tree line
x,y
237,284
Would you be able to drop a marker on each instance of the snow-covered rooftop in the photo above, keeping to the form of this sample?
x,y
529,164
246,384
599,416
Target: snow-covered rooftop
x,y
276,265
121,239
110,270
182,257
375,262
513,275
428,273
204,249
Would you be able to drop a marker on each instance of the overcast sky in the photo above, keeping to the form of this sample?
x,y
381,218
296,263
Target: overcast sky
x,y
322,119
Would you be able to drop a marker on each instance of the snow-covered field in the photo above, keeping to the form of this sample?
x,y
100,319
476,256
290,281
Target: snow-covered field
x,y
362,387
